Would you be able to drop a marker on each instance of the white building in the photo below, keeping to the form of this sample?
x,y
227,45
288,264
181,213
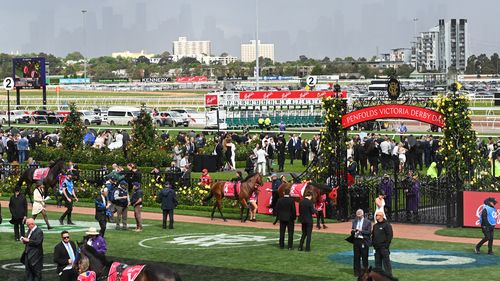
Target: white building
x,y
248,51
130,55
443,46
453,44
184,48
400,54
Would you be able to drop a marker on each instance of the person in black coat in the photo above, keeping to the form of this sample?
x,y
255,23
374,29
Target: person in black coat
x,y
360,231
102,204
286,213
18,207
64,257
292,142
280,147
381,239
306,210
168,201
32,256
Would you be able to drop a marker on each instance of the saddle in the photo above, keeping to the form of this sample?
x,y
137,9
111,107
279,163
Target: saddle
x,y
229,188
123,272
297,190
41,173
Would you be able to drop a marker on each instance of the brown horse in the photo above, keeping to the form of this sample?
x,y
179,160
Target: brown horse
x,y
317,190
375,274
89,259
248,186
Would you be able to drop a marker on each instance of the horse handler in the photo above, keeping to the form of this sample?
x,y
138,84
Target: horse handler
x,y
68,195
488,222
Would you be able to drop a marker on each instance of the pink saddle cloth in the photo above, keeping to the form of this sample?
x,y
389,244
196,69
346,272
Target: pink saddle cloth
x,y
129,273
297,190
41,173
229,188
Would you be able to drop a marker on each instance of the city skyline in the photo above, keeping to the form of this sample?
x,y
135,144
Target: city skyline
x,y
315,29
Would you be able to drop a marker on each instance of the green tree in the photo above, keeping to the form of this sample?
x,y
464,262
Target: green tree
x,y
143,131
317,70
405,70
74,56
72,132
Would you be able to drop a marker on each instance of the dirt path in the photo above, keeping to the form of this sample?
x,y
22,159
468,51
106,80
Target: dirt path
x,y
407,231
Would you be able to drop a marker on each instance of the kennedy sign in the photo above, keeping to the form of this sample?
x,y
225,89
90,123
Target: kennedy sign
x,y
393,111
264,95
473,205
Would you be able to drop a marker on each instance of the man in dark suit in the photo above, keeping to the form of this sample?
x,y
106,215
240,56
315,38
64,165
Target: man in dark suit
x,y
361,232
286,213
18,207
168,201
306,210
291,148
381,240
64,257
102,204
32,257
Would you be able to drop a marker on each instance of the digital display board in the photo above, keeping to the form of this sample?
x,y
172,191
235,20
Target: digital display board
x,y
29,73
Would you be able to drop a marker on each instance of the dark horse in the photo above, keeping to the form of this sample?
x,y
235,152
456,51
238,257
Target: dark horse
x,y
101,266
317,190
51,180
375,274
248,186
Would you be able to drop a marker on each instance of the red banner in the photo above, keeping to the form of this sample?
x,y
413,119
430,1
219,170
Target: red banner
x,y
473,205
393,111
264,199
192,79
264,95
211,100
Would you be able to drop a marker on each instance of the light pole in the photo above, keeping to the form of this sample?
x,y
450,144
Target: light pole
x,y
84,47
257,74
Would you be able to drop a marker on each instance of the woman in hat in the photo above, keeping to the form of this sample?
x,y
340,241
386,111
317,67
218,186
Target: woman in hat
x,y
39,203
96,241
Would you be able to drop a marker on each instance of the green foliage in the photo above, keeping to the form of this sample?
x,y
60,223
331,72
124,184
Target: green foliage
x,y
332,139
72,132
458,145
143,131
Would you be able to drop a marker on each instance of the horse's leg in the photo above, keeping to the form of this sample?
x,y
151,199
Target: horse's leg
x,y
28,190
244,205
219,204
213,211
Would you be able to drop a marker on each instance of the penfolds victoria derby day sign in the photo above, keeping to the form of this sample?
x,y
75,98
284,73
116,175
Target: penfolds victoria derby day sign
x,y
393,111
473,206
211,100
192,79
264,95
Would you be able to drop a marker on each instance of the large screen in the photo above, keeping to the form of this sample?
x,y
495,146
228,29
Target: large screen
x,y
29,73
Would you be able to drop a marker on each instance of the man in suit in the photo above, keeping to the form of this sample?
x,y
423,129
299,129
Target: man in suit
x,y
382,238
102,205
64,257
286,213
32,256
18,207
361,230
168,201
306,210
291,148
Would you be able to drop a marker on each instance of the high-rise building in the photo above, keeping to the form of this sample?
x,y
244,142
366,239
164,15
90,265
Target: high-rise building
x,y
185,48
443,47
248,51
453,45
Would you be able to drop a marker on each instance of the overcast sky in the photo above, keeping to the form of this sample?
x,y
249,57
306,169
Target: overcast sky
x,y
315,28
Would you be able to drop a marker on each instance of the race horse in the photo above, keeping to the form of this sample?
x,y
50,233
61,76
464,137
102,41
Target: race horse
x,y
375,274
49,176
317,190
247,187
89,260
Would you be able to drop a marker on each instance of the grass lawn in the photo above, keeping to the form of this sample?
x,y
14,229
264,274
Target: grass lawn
x,y
224,257
468,232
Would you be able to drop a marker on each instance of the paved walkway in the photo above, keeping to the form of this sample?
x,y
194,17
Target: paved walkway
x,y
407,231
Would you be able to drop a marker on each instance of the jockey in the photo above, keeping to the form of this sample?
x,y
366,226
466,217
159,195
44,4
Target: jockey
x,y
205,178
235,180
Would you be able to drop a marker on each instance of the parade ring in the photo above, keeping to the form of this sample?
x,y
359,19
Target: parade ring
x,y
426,259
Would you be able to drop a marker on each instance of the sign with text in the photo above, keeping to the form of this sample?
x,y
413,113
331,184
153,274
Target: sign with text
x,y
473,206
393,111
74,81
192,79
156,79
262,95
211,100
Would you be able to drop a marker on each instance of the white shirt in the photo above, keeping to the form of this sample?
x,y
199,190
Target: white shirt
x,y
360,227
184,162
385,147
395,150
261,156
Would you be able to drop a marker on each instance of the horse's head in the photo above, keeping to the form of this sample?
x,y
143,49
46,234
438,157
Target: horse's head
x,y
90,259
365,276
58,166
258,180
